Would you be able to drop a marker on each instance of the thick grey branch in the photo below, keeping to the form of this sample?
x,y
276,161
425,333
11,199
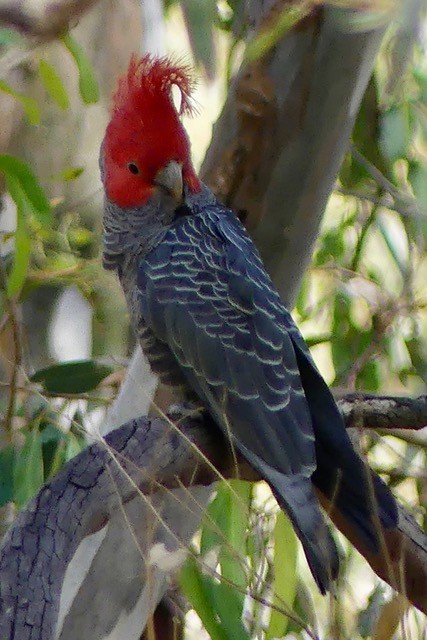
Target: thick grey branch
x,y
80,501
144,459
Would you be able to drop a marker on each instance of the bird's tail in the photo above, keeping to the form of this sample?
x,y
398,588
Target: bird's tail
x,y
341,475
295,495
358,494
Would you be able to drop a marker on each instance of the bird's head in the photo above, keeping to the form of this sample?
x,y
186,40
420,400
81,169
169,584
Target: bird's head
x,y
145,158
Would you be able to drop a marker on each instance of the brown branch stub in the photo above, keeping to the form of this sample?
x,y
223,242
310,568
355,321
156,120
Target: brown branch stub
x,y
43,20
366,411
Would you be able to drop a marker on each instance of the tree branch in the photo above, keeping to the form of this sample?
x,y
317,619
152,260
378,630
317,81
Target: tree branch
x,y
140,465
367,411
45,20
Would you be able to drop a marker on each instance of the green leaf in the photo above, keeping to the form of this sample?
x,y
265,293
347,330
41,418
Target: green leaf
x,y
73,448
7,459
53,84
30,106
227,604
9,37
196,589
395,132
53,448
225,526
21,172
200,16
269,37
233,554
28,469
68,174
397,244
72,377
88,85
285,575
21,258
421,79
417,176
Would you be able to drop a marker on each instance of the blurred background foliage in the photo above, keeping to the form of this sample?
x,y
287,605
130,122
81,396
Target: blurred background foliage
x,y
362,306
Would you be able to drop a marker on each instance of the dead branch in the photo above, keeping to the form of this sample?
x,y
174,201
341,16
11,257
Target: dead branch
x,y
367,411
43,20
140,463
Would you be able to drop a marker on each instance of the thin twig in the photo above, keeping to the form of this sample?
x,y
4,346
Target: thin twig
x,y
386,201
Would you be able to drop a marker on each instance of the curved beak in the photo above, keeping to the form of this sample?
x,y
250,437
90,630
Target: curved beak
x,y
170,180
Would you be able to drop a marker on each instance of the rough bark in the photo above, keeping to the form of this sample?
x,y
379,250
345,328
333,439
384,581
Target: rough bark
x,y
78,503
136,472
368,411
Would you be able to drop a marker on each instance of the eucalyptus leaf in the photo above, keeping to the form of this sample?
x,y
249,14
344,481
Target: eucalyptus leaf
x,y
88,85
28,468
53,84
15,279
28,183
196,589
30,106
7,459
72,377
226,601
285,576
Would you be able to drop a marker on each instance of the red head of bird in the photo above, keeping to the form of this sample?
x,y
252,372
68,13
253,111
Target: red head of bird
x,y
146,148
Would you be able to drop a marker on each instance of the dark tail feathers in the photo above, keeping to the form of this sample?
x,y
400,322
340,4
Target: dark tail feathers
x,y
295,495
341,475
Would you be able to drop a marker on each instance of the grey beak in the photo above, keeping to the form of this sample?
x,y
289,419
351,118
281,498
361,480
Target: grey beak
x,y
170,179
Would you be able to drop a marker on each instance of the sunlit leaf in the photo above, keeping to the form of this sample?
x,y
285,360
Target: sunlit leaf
x,y
263,42
28,469
194,587
30,106
285,575
225,527
53,84
73,447
397,243
72,377
68,174
21,258
88,85
22,174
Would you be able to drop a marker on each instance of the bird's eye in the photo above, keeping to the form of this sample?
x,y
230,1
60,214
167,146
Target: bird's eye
x,y
133,168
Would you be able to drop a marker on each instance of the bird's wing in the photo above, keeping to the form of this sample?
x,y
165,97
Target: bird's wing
x,y
205,293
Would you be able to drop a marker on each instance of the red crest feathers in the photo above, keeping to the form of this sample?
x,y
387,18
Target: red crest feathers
x,y
151,79
145,132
